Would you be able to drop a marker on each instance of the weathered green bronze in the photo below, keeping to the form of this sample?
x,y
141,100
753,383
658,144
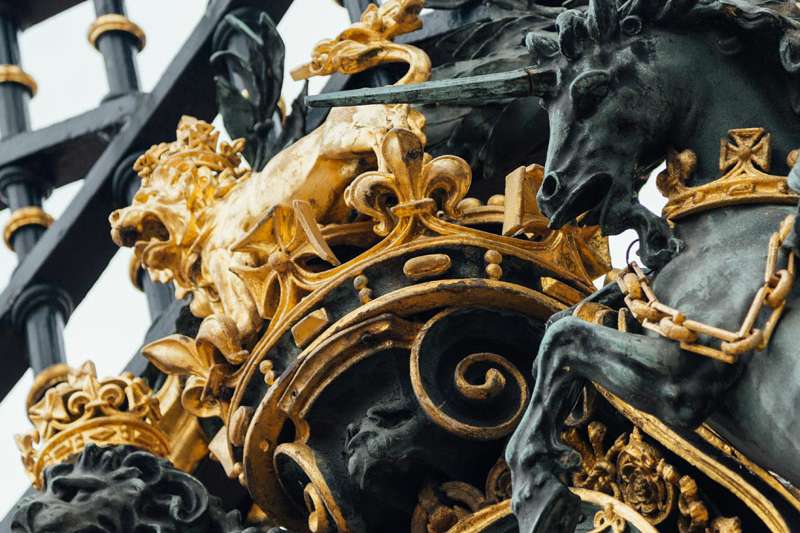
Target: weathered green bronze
x,y
635,81
522,82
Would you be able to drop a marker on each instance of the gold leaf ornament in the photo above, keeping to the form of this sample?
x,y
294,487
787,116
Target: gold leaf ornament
x,y
208,360
410,185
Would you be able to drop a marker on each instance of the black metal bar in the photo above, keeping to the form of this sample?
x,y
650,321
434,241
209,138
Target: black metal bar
x,y
77,248
14,97
65,151
119,52
41,311
30,12
20,188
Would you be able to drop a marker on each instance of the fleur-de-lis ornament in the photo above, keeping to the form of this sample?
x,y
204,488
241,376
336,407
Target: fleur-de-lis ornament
x,y
414,185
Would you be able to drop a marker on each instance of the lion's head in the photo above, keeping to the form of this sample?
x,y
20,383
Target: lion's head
x,y
122,489
166,222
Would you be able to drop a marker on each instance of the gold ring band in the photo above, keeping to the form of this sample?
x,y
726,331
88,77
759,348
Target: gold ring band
x,y
115,22
14,74
25,216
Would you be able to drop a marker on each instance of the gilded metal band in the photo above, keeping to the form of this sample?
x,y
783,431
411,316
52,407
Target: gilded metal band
x,y
25,216
14,74
115,22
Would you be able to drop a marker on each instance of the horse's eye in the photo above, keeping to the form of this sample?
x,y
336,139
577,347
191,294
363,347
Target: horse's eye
x,y
588,90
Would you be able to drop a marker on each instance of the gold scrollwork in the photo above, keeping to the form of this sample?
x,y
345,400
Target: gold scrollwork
x,y
318,498
368,43
636,473
494,383
727,478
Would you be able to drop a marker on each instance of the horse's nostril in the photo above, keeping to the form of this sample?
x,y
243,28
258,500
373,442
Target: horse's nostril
x,y
550,185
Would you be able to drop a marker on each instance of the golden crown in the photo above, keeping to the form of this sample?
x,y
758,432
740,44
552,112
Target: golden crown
x,y
196,147
70,408
744,160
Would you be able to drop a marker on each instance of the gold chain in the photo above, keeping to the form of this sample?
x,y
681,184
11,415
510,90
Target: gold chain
x,y
672,324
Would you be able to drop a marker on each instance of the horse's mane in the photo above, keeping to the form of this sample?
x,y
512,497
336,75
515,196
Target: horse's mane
x,y
772,23
758,16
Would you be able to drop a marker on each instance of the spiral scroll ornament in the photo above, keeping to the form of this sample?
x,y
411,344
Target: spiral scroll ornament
x,y
488,393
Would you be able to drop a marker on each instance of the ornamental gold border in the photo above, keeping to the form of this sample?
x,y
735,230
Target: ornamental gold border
x,y
50,454
15,74
726,477
25,216
115,22
486,517
268,419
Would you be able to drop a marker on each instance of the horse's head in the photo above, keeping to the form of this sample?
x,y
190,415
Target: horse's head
x,y
620,89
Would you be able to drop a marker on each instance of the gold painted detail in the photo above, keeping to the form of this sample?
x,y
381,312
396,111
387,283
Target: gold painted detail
x,y
71,407
25,216
15,74
309,326
790,493
458,507
115,22
426,266
207,360
727,478
744,160
560,291
672,324
636,473
608,521
188,443
320,502
368,43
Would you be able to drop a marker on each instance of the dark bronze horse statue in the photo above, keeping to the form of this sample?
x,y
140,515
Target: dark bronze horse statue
x,y
629,83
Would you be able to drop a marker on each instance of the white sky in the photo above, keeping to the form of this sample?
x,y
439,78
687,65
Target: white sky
x,y
109,325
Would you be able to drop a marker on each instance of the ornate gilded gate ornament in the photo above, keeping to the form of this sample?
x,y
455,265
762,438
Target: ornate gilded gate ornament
x,y
318,275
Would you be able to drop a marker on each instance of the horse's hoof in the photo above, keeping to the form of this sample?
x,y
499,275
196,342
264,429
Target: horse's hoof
x,y
546,506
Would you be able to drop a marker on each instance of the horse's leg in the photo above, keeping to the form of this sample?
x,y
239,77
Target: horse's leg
x,y
650,373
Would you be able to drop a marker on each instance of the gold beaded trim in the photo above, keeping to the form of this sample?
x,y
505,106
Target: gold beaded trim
x,y
25,216
13,73
115,22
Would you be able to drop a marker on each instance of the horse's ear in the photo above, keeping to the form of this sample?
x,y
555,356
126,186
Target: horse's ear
x,y
602,19
789,52
540,47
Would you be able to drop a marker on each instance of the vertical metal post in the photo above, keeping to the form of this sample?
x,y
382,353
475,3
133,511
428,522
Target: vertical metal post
x,y
41,310
118,39
20,188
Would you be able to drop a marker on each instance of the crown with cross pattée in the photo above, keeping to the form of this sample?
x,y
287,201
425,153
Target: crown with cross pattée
x,y
744,161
